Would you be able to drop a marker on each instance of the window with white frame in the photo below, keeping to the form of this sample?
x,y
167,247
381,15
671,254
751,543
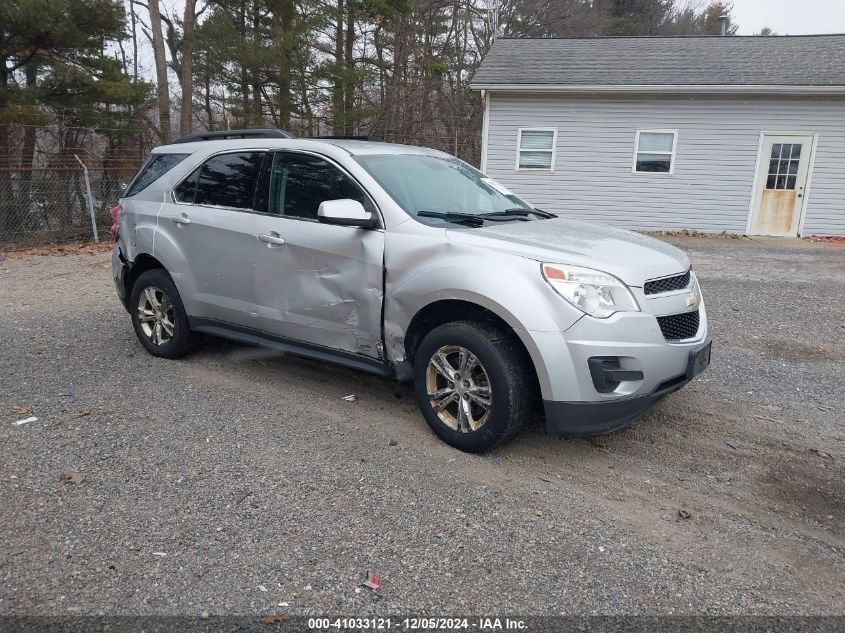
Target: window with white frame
x,y
654,152
536,149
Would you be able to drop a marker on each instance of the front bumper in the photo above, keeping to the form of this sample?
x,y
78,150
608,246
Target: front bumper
x,y
599,417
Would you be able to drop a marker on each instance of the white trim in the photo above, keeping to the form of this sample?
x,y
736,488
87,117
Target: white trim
x,y
671,154
519,149
805,196
485,130
807,185
754,184
664,88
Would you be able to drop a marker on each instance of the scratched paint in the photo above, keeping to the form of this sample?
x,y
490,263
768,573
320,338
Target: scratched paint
x,y
324,286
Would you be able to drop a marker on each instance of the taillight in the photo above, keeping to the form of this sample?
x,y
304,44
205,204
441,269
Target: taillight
x,y
116,213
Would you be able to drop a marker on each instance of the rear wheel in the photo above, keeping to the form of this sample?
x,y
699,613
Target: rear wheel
x,y
472,385
158,315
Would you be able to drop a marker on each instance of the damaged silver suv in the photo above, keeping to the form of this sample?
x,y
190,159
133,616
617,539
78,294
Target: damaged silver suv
x,y
407,262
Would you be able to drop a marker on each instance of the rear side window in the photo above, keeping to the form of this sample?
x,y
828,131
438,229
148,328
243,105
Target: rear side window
x,y
187,189
156,166
229,180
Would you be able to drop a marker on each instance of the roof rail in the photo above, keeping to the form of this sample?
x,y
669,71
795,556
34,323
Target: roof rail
x,y
351,137
224,134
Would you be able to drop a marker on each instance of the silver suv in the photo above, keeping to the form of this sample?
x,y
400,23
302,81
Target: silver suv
x,y
407,262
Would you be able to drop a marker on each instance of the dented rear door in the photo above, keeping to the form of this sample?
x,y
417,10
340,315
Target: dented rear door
x,y
317,283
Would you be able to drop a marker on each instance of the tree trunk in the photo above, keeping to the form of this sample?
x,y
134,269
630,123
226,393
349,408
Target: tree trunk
x,y
337,89
257,112
163,90
284,98
244,73
209,115
134,43
28,145
186,81
349,70
8,217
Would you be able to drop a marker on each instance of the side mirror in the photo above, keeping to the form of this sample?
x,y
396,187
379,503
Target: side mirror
x,y
346,212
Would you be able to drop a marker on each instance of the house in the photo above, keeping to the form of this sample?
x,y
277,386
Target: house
x,y
736,134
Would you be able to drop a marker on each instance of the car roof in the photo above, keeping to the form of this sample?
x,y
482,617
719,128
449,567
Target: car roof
x,y
352,147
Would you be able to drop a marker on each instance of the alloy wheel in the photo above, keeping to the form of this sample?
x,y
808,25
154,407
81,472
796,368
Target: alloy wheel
x,y
155,315
458,388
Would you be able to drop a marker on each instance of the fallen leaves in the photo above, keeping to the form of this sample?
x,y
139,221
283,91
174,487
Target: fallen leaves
x,y
81,414
821,453
91,248
74,478
372,580
274,619
828,239
22,410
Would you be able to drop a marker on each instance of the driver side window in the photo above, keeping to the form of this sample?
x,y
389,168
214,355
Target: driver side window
x,y
299,183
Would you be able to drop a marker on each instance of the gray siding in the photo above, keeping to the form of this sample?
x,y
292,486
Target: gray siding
x,y
718,141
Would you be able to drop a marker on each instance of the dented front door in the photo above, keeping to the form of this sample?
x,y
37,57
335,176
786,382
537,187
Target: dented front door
x,y
317,283
781,184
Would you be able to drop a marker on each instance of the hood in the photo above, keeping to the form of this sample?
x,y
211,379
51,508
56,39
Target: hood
x,y
631,257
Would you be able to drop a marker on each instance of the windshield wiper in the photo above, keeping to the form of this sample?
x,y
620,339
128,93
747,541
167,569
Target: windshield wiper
x,y
519,212
469,219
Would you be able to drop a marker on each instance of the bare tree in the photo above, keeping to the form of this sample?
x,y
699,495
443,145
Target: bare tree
x,y
162,87
186,78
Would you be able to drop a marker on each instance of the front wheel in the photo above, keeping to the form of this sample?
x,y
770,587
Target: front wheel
x,y
472,385
158,316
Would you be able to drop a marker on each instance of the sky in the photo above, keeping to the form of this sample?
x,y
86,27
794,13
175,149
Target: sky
x,y
790,17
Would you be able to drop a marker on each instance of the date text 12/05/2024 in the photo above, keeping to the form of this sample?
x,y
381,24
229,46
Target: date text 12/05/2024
x,y
422,624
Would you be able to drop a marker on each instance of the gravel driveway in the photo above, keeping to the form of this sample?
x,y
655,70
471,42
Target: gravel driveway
x,y
235,481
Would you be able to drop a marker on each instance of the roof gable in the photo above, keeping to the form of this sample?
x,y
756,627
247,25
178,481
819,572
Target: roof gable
x,y
697,61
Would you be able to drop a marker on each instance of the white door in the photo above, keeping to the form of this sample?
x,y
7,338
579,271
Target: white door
x,y
781,182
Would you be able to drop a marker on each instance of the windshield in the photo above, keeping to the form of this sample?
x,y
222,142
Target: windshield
x,y
431,186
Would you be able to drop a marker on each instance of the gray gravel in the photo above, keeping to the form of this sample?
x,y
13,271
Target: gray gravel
x,y
237,482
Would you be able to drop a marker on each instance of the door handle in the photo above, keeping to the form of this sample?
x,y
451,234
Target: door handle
x,y
273,239
180,219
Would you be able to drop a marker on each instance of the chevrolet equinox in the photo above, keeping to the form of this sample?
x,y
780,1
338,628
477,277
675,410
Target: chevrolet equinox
x,y
406,262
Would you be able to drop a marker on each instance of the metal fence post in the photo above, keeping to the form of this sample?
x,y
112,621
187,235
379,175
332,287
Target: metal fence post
x,y
90,198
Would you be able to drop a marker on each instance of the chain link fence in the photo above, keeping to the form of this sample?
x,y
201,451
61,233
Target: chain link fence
x,y
57,204
65,193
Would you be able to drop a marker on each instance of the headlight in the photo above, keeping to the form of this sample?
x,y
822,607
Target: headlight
x,y
591,291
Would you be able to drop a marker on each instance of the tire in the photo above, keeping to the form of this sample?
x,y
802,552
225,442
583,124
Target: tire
x,y
502,372
163,330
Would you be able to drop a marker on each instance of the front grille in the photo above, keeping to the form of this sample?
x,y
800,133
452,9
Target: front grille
x,y
667,284
677,327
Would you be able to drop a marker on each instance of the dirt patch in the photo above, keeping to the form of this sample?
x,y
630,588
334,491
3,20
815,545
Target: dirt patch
x,y
808,488
784,349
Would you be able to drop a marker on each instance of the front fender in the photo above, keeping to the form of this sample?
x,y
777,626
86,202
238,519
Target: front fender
x,y
422,271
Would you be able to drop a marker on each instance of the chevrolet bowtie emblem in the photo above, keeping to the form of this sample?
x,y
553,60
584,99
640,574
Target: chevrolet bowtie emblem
x,y
694,300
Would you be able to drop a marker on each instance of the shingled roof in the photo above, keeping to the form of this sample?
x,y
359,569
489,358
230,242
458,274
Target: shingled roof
x,y
813,61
